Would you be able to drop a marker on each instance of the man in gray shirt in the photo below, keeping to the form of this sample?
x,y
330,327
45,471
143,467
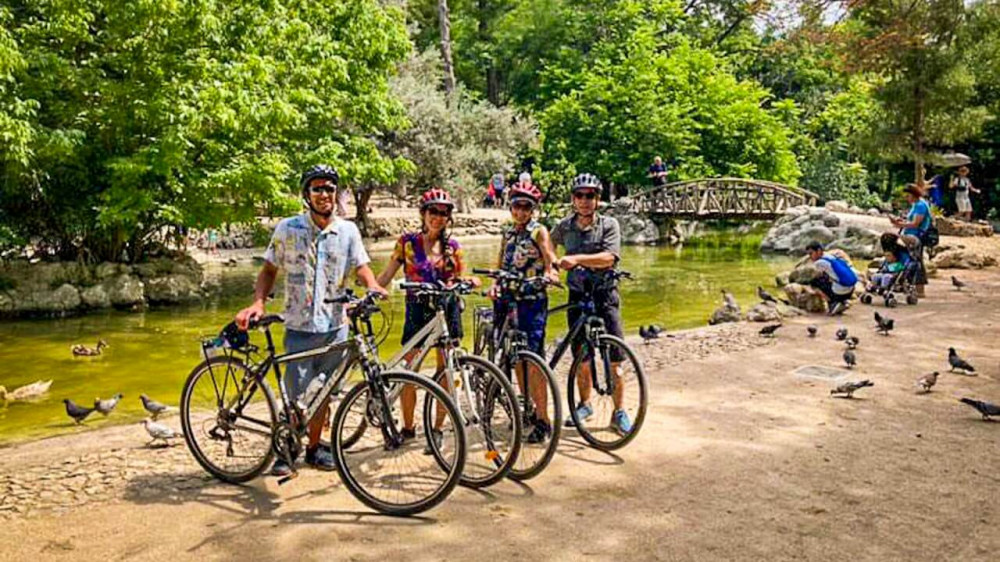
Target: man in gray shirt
x,y
593,247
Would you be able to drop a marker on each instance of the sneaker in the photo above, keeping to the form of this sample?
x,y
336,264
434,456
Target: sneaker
x,y
621,423
438,438
320,458
407,434
837,309
541,433
280,468
583,411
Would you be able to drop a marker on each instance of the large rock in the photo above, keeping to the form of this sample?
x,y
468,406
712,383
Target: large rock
x,y
725,314
124,290
954,227
837,206
804,273
64,299
807,298
95,296
171,289
637,229
855,234
764,312
963,259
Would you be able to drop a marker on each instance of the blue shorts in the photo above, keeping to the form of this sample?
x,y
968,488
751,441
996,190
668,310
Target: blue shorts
x,y
531,318
299,373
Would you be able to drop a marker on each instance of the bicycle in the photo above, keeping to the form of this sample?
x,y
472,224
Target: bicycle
x,y
232,425
486,399
616,358
538,398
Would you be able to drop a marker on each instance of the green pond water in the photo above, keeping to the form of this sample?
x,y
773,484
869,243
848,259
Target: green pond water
x,y
153,351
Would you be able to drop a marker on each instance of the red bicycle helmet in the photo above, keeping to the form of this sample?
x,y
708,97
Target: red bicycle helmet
x,y
529,192
435,196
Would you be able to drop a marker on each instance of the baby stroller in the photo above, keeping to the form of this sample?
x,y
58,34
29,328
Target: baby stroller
x,y
894,277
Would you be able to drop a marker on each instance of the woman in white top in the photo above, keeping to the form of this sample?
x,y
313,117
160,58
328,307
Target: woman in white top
x,y
962,186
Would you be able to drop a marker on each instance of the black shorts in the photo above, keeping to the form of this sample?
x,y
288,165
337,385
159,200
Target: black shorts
x,y
608,308
419,313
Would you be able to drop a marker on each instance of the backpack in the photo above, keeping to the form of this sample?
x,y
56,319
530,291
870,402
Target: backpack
x,y
845,275
930,237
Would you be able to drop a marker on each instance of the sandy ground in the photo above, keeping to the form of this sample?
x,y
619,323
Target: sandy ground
x,y
739,459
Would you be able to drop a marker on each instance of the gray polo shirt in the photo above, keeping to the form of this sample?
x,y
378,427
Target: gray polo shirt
x,y
603,235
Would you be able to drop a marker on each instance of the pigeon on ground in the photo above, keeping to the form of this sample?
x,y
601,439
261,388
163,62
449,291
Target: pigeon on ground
x,y
655,329
813,330
958,283
75,411
849,388
985,408
769,330
159,432
884,324
926,382
957,362
842,334
850,358
152,406
106,406
767,297
852,342
647,334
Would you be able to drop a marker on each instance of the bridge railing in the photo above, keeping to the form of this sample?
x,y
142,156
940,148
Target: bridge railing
x,y
718,197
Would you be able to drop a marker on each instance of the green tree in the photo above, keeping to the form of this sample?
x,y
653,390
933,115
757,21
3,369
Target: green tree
x,y
122,118
680,102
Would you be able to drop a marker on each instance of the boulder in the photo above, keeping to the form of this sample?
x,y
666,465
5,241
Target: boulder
x,y
963,259
954,227
63,299
781,279
95,297
807,298
874,212
725,314
837,206
831,221
764,312
637,229
173,288
124,290
108,269
804,273
814,233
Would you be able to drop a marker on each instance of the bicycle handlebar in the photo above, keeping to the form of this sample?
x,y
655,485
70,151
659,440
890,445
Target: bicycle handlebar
x,y
439,288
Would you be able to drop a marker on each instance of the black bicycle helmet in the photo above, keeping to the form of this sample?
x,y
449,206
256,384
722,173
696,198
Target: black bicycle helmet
x,y
586,181
319,171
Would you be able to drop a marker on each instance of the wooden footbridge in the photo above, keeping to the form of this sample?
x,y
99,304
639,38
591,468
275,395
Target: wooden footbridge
x,y
717,198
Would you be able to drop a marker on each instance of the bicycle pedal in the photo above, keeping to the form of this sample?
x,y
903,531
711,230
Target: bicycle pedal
x,y
284,479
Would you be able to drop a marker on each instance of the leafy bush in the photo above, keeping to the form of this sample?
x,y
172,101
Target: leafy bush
x,y
833,178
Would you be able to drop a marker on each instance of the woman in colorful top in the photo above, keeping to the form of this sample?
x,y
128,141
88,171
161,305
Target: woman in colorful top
x,y
428,256
526,249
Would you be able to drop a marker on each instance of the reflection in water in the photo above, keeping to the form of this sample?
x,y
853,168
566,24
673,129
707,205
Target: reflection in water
x,y
152,352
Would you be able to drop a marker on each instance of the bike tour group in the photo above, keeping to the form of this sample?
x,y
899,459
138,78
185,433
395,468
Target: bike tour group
x,y
402,441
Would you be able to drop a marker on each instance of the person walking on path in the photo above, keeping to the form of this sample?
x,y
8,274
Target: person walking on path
x,y
316,250
962,186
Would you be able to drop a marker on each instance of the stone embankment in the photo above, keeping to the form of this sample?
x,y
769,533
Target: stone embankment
x,y
856,234
61,288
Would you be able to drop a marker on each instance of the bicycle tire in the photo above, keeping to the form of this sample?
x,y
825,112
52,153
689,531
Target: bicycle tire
x,y
352,481
590,436
210,366
497,387
528,467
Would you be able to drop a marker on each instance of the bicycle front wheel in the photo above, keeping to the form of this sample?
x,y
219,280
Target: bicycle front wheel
x,y
227,418
491,420
397,478
540,404
607,393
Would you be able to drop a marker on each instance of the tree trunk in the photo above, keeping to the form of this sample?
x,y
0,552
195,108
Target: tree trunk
x,y
444,21
492,76
918,133
361,197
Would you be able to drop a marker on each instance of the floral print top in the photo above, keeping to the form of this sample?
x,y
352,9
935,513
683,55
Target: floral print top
x,y
420,268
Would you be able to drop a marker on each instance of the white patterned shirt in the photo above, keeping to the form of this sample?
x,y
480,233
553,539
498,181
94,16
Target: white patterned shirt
x,y
316,263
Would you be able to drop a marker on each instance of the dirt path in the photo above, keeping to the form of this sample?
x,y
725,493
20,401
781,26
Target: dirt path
x,y
738,460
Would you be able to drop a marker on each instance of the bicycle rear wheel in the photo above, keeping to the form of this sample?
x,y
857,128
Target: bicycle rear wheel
x,y
397,478
492,423
227,418
540,403
599,428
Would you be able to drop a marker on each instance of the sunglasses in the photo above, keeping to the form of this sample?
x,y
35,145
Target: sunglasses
x,y
522,206
439,212
321,189
588,195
